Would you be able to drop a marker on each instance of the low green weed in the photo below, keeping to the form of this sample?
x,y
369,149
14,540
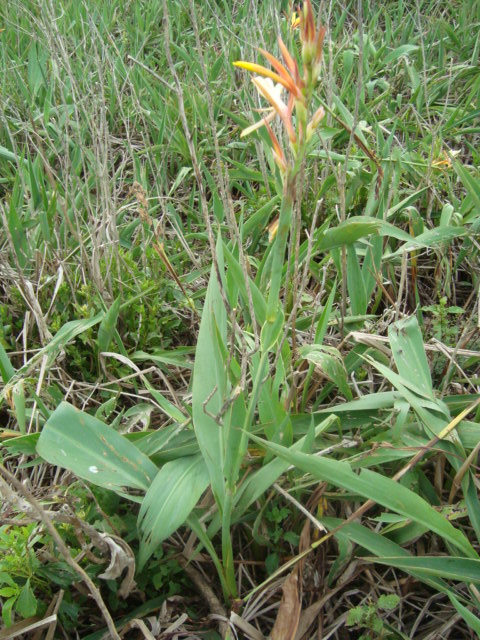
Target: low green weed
x,y
19,576
371,618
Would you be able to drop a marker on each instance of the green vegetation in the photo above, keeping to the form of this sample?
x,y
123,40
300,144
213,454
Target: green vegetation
x,y
240,372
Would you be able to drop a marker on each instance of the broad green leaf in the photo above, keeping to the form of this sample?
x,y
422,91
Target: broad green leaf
x,y
7,611
5,154
348,119
409,355
26,603
90,449
430,239
322,324
210,381
22,445
348,232
69,331
257,483
271,331
6,578
168,443
408,388
406,202
235,270
379,545
169,500
36,73
171,410
235,444
371,264
471,184
380,489
175,357
425,408
182,174
260,217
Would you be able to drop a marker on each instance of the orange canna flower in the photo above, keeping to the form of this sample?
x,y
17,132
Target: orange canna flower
x,y
298,85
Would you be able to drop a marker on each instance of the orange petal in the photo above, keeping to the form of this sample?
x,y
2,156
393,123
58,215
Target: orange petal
x,y
289,61
320,38
276,145
278,66
309,24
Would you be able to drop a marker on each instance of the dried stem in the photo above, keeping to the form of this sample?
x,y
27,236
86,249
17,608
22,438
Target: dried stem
x,y
9,478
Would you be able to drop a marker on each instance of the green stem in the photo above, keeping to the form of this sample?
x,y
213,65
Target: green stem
x,y
281,238
227,549
195,525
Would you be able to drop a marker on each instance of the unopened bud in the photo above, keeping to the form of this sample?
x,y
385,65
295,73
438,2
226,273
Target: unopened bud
x,y
280,162
314,122
308,52
301,112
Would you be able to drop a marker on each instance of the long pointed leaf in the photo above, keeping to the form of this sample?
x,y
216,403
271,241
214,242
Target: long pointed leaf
x,y
378,488
210,382
94,451
169,500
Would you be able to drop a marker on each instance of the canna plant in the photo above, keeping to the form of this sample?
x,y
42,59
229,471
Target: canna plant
x,y
235,393
227,396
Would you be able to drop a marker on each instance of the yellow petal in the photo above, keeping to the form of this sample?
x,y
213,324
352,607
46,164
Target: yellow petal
x,y
263,71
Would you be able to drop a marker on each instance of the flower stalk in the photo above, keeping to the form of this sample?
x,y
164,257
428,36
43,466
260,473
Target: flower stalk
x,y
299,124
